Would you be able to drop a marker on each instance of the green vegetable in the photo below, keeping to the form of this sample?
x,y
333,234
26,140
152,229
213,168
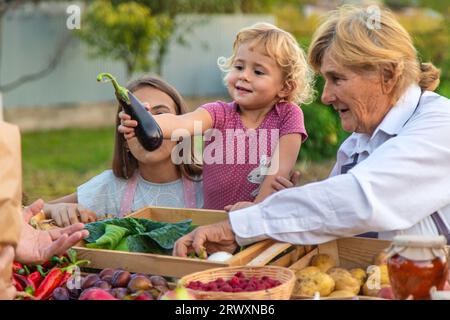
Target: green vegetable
x,y
123,245
97,229
136,235
121,92
111,238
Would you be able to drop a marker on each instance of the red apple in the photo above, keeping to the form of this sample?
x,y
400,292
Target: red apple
x,y
386,293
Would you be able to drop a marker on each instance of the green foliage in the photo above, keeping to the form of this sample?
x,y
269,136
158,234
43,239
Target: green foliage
x,y
126,32
175,7
142,235
324,131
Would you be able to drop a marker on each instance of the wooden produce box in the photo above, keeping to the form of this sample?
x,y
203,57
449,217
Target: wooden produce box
x,y
348,253
258,254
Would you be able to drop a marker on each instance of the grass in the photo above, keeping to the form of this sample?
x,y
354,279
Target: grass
x,y
56,162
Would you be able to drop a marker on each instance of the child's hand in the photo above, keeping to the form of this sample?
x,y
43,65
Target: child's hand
x,y
281,183
66,214
7,290
126,125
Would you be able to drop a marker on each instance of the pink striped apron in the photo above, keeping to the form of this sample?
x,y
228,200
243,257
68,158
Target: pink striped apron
x,y
130,190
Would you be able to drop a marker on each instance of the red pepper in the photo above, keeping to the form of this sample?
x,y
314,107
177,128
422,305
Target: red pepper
x,y
65,278
17,266
50,283
17,284
23,283
36,278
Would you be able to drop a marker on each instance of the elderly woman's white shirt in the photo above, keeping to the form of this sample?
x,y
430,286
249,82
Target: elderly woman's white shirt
x,y
402,177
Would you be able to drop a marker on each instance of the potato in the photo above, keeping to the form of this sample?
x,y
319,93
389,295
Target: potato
x,y
359,274
341,294
306,272
315,282
384,274
344,280
323,261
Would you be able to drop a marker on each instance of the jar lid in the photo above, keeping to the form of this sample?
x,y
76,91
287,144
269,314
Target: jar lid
x,y
415,247
417,241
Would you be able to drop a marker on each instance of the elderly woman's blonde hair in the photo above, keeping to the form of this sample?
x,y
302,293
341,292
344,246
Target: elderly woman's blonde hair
x,y
356,41
284,49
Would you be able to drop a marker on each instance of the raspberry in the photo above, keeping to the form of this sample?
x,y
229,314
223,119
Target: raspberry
x,y
227,288
260,287
234,282
220,280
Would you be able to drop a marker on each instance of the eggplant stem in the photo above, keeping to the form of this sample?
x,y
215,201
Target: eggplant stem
x,y
121,92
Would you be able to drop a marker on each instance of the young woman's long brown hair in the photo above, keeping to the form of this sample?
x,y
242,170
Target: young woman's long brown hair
x,y
124,163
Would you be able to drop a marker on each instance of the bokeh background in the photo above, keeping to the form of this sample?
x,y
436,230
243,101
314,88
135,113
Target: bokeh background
x,y
51,52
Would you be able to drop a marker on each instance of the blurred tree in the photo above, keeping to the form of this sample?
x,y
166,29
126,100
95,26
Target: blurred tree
x,y
173,26
126,32
430,30
7,6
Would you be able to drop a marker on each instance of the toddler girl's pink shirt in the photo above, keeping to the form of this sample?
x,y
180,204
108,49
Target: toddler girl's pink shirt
x,y
234,155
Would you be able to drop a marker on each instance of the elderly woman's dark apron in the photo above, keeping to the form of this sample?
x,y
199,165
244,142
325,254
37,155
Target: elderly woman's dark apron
x,y
440,225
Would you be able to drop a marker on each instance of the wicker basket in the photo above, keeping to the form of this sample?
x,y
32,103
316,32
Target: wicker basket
x,y
281,292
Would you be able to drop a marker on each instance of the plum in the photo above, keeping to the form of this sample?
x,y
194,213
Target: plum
x,y
119,293
158,281
120,278
102,284
89,281
108,272
61,293
139,283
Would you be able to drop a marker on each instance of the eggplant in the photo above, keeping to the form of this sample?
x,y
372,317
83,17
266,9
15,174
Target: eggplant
x,y
148,132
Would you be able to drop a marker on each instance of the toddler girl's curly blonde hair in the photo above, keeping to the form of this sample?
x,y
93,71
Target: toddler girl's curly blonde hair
x,y
284,49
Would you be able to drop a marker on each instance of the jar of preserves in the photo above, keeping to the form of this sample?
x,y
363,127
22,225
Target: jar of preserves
x,y
416,264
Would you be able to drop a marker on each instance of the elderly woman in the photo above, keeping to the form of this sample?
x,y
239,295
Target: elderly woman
x,y
391,175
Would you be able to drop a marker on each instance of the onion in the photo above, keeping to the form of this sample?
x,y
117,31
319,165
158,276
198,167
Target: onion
x,y
220,256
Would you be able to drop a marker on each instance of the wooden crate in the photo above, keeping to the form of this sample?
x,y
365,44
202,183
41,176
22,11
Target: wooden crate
x,y
258,254
348,253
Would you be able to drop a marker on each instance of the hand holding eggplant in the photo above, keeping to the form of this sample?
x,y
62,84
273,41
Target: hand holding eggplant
x,y
148,131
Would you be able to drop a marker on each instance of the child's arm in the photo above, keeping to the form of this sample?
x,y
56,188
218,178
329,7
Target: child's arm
x,y
71,198
282,163
170,122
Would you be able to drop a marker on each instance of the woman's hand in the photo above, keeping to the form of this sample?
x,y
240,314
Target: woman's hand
x,y
36,246
7,289
215,237
281,183
66,214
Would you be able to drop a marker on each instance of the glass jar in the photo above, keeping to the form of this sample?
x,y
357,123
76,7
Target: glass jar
x,y
416,264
